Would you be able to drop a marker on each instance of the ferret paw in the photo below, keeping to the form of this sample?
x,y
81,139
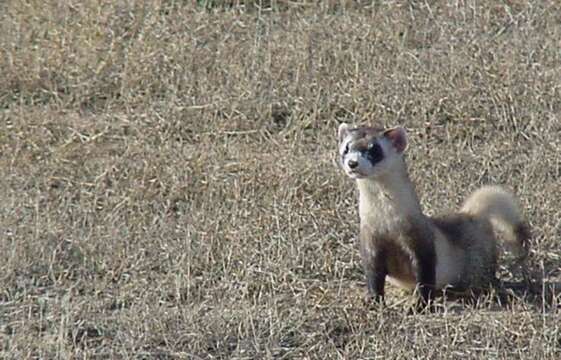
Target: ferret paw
x,y
373,302
422,307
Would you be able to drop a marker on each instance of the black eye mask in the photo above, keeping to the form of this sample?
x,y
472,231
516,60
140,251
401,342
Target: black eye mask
x,y
374,153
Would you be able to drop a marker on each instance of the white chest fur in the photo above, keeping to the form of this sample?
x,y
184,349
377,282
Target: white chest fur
x,y
385,205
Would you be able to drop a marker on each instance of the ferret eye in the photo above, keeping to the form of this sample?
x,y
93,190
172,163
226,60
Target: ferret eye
x,y
346,150
375,152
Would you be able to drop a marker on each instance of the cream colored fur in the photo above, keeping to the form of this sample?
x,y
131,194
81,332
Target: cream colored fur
x,y
450,261
499,206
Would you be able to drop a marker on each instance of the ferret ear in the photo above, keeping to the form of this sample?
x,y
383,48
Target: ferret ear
x,y
398,138
343,130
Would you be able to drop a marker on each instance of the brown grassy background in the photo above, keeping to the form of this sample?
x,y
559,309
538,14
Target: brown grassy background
x,y
169,188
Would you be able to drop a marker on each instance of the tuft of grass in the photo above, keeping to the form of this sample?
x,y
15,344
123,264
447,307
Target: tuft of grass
x,y
169,183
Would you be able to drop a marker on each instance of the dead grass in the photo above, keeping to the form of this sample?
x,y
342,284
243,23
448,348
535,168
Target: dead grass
x,y
169,187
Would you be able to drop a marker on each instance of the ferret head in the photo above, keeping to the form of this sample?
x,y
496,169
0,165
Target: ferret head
x,y
368,152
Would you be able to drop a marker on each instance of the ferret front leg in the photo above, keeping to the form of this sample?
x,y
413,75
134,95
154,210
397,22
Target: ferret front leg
x,y
426,276
376,270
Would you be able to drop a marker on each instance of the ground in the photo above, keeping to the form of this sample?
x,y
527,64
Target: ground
x,y
170,189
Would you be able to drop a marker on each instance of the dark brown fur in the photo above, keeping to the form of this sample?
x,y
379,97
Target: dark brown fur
x,y
404,256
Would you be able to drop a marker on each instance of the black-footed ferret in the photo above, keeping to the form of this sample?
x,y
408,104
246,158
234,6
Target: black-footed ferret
x,y
397,240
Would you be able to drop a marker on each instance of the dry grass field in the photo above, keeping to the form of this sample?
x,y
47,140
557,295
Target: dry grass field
x,y
169,187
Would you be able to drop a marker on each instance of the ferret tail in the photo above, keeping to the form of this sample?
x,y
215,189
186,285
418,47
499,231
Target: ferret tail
x,y
500,207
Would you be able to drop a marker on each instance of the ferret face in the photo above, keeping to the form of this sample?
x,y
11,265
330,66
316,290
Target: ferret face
x,y
370,152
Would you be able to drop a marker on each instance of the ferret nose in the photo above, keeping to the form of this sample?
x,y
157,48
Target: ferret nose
x,y
352,163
